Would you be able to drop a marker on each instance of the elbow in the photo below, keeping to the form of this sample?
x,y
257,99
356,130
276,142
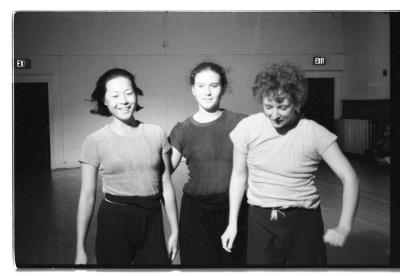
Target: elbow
x,y
88,196
351,180
238,180
354,179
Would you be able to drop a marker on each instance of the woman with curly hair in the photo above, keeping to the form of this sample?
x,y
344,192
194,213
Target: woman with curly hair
x,y
278,151
133,162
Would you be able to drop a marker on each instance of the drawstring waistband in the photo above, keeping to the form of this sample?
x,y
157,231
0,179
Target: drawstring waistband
x,y
274,214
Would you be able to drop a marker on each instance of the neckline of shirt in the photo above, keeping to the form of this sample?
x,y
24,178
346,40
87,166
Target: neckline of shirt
x,y
269,124
131,135
196,123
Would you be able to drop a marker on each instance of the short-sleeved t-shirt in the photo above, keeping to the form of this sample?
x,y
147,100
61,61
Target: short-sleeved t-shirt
x,y
281,168
208,152
128,165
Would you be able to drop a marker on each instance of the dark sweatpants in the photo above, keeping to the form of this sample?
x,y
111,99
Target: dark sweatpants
x,y
130,234
200,228
295,238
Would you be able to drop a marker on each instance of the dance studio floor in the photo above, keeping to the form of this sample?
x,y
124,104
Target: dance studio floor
x,y
45,206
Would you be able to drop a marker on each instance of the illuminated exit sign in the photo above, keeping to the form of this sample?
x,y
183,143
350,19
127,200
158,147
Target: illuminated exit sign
x,y
22,63
319,60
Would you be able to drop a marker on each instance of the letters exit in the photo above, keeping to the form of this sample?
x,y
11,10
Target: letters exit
x,y
22,63
319,60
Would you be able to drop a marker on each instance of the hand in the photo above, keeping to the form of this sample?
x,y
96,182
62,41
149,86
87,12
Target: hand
x,y
81,257
228,237
336,236
172,246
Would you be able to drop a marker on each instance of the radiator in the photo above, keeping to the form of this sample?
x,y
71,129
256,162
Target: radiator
x,y
356,135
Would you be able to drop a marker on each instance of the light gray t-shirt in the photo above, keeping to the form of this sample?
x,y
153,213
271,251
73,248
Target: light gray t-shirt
x,y
281,168
128,165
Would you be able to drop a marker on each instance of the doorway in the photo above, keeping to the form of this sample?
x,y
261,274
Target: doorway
x,y
31,127
320,103
31,164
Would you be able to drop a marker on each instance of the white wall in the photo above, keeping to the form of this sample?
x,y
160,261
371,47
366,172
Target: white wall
x,y
73,49
366,55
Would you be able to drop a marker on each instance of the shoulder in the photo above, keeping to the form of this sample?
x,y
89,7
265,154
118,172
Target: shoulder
x,y
316,132
180,126
309,122
307,126
249,123
318,137
235,115
96,139
98,134
311,125
253,118
152,128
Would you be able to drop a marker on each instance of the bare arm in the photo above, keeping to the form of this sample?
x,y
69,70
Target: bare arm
x,y
336,160
85,209
170,207
236,192
176,157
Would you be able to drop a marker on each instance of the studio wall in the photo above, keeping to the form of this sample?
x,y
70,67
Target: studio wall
x,y
71,49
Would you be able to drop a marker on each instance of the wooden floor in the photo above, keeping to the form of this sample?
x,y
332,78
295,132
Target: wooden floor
x,y
45,207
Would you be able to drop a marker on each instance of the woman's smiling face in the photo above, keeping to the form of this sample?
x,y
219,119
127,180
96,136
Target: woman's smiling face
x,y
120,98
207,90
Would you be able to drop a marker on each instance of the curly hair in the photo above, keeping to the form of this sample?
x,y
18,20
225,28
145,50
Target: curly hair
x,y
279,81
99,92
213,67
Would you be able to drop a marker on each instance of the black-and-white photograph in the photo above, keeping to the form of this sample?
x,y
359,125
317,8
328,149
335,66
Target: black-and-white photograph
x,y
194,139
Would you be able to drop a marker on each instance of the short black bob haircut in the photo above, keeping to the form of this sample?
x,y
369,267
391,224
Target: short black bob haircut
x,y
99,92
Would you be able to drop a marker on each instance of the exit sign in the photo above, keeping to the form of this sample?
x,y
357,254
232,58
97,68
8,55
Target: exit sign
x,y
22,63
319,60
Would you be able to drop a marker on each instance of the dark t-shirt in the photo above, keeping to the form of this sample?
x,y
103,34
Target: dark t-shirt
x,y
208,152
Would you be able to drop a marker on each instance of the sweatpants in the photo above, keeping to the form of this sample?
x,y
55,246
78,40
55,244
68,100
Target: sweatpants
x,y
202,222
294,237
130,232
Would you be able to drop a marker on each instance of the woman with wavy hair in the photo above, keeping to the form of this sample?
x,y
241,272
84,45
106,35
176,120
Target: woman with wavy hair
x,y
277,153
